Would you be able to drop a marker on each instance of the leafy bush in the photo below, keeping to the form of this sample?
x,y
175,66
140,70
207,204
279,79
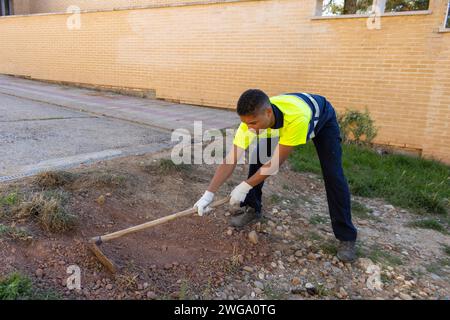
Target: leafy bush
x,y
357,127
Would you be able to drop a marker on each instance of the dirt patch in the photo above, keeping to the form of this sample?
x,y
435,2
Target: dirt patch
x,y
190,250
202,257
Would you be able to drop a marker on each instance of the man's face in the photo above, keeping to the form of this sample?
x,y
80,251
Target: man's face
x,y
258,121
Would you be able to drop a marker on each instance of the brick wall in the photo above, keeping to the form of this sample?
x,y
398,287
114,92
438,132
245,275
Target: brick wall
x,y
52,6
209,54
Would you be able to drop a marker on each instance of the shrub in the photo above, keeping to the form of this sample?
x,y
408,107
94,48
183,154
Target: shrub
x,y
357,127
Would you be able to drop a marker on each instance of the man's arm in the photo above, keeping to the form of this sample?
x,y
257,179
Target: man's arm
x,y
225,170
280,155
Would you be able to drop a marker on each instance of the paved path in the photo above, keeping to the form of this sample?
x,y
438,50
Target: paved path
x,y
47,127
156,113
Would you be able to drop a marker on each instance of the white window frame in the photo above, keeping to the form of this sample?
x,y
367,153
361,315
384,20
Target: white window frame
x,y
447,14
3,8
381,4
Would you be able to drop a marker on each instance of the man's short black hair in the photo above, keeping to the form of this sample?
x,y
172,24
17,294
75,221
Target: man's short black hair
x,y
251,101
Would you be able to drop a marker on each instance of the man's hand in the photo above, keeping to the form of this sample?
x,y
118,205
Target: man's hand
x,y
203,203
239,193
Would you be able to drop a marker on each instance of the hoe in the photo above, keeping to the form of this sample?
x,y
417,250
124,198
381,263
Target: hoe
x,y
95,242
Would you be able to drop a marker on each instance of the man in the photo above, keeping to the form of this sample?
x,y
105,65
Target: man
x,y
280,123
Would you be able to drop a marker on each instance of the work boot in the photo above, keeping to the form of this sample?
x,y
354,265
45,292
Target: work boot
x,y
347,251
236,211
245,218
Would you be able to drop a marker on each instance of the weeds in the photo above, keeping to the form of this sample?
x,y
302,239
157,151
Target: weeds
x,y
438,266
329,248
317,219
128,281
446,249
273,293
49,212
357,127
417,184
10,199
167,165
14,233
359,210
53,179
275,199
430,223
184,290
379,255
15,286
314,236
20,287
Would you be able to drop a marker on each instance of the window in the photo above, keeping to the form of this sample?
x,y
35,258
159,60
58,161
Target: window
x,y
363,7
341,7
6,7
447,17
406,5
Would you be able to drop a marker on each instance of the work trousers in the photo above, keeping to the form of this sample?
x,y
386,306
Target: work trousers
x,y
327,142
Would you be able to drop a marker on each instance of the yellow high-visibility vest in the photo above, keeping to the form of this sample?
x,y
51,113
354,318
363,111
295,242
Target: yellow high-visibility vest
x,y
297,115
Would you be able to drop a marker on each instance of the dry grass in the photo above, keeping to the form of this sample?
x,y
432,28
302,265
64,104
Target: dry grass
x,y
14,233
85,180
128,281
99,180
53,179
49,212
165,166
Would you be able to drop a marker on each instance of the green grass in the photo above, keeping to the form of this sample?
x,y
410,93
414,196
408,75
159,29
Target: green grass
x,y
436,267
274,199
13,233
314,236
321,290
417,184
7,203
10,199
167,166
446,249
379,255
360,211
329,248
311,235
316,219
185,290
430,223
16,286
385,279
273,293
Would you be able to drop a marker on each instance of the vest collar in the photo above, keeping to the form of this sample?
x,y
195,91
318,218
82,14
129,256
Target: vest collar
x,y
278,117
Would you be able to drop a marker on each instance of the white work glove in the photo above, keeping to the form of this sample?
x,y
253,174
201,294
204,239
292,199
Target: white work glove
x,y
204,202
239,193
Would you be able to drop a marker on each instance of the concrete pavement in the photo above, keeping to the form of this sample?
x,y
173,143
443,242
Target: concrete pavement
x,y
156,113
47,127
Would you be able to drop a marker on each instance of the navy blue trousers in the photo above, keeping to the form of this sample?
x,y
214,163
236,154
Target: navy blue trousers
x,y
327,142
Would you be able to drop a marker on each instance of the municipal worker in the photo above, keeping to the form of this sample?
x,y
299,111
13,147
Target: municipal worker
x,y
276,125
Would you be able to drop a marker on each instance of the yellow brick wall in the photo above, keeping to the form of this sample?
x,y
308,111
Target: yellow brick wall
x,y
52,6
21,7
209,54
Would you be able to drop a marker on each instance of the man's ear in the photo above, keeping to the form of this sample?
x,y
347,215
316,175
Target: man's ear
x,y
269,112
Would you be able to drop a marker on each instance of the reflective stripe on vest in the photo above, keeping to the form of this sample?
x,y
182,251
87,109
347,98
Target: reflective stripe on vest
x,y
314,106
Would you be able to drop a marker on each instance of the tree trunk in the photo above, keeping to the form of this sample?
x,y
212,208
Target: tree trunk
x,y
350,6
